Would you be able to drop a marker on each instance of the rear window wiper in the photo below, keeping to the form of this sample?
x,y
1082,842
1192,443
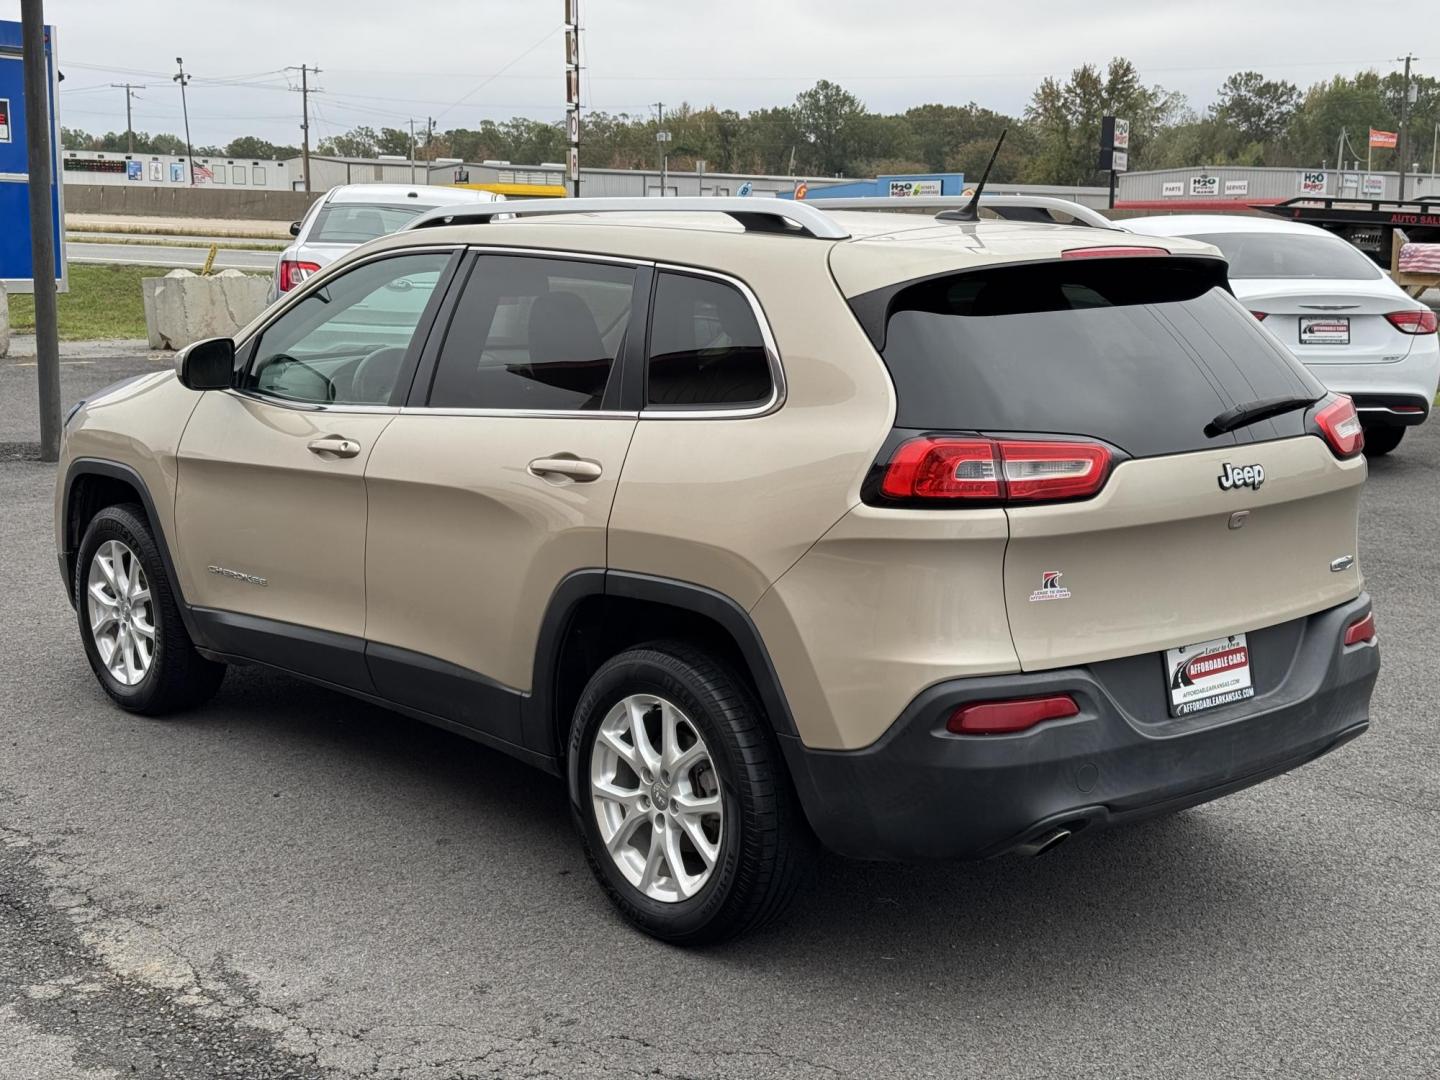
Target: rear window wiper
x,y
1253,412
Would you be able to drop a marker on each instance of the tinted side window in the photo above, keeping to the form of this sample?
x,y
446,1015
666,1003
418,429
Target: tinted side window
x,y
705,345
345,343
534,333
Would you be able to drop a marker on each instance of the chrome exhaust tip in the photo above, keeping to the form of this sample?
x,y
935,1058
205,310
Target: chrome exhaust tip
x,y
1046,841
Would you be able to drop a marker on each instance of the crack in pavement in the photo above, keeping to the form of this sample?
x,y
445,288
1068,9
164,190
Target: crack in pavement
x,y
57,979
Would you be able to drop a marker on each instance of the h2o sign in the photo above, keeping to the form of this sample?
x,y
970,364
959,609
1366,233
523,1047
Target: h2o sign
x,y
1204,185
1314,183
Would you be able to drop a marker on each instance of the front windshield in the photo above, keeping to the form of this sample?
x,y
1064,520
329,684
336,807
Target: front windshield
x,y
1289,255
355,223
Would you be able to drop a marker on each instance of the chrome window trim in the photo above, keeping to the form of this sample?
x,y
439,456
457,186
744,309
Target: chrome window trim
x,y
293,297
779,388
309,406
534,414
558,253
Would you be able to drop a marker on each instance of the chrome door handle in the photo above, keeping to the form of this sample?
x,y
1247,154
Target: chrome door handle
x,y
335,446
572,468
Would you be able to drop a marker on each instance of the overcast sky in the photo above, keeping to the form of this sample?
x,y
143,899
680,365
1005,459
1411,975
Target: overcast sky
x,y
385,61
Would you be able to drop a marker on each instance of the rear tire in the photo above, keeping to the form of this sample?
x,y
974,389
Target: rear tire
x,y
130,621
742,853
1379,441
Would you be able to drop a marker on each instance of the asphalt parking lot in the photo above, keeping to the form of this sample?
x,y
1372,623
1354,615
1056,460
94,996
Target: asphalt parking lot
x,y
289,883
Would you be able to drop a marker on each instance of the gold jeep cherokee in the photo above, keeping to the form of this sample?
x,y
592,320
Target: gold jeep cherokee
x,y
925,537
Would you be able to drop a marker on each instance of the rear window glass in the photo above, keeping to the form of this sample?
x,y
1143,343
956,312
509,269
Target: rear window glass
x,y
1291,255
1139,353
355,223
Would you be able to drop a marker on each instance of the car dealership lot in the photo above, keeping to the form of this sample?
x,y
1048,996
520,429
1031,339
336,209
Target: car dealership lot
x,y
290,882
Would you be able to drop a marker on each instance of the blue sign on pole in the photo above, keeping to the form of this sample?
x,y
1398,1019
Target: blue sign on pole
x,y
16,268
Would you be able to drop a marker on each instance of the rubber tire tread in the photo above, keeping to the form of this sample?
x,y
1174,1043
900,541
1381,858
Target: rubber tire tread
x,y
777,847
180,677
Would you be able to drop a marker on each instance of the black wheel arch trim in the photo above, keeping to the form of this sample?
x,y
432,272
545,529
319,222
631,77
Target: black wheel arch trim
x,y
114,470
681,595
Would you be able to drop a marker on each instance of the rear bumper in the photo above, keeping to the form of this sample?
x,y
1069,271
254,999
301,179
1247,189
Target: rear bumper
x,y
1376,387
922,793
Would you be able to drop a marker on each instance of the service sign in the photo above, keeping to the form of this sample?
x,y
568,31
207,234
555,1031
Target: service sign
x,y
1172,189
4,119
1314,183
914,189
1237,187
1204,185
1119,160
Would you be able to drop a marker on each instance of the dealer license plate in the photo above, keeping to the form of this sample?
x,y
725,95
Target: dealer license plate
x,y
1208,675
1325,330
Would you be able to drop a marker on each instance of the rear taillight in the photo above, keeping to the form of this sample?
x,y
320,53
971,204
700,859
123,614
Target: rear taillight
x,y
1004,717
1413,322
939,469
1340,424
293,272
1260,316
1362,630
1112,252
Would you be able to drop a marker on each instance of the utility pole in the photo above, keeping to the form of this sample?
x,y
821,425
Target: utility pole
x,y
661,138
183,80
1404,122
572,95
305,92
39,158
412,150
129,89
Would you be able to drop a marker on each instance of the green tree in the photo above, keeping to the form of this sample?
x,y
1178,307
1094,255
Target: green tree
x,y
357,142
1254,108
1065,118
251,146
831,120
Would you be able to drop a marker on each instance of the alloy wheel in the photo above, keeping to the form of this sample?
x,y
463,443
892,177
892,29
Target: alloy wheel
x,y
656,798
122,614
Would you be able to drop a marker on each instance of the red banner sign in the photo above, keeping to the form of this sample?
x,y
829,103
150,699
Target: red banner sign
x,y
1383,140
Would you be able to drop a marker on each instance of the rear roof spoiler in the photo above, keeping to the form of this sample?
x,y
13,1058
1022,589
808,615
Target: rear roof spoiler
x,y
1010,207
756,215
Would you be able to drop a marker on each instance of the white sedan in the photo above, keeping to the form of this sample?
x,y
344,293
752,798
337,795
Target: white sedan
x,y
1355,329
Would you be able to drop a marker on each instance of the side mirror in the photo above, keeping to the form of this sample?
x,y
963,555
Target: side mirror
x,y
294,228
207,365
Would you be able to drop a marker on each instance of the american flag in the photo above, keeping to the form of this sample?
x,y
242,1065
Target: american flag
x,y
1420,259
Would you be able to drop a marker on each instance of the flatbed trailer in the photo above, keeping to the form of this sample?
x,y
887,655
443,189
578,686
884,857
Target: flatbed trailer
x,y
1378,227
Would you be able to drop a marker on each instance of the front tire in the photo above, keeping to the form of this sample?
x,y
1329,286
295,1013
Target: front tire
x,y
1379,441
130,621
678,790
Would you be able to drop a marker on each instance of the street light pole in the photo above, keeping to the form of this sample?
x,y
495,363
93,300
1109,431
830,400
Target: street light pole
x,y
183,79
38,163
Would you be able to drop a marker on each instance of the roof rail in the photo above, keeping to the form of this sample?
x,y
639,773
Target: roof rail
x,y
1010,207
757,215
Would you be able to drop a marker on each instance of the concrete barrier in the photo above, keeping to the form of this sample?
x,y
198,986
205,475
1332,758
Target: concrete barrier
x,y
4,323
182,307
188,202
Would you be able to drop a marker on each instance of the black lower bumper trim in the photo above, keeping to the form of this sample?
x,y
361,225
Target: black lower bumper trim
x,y
922,793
